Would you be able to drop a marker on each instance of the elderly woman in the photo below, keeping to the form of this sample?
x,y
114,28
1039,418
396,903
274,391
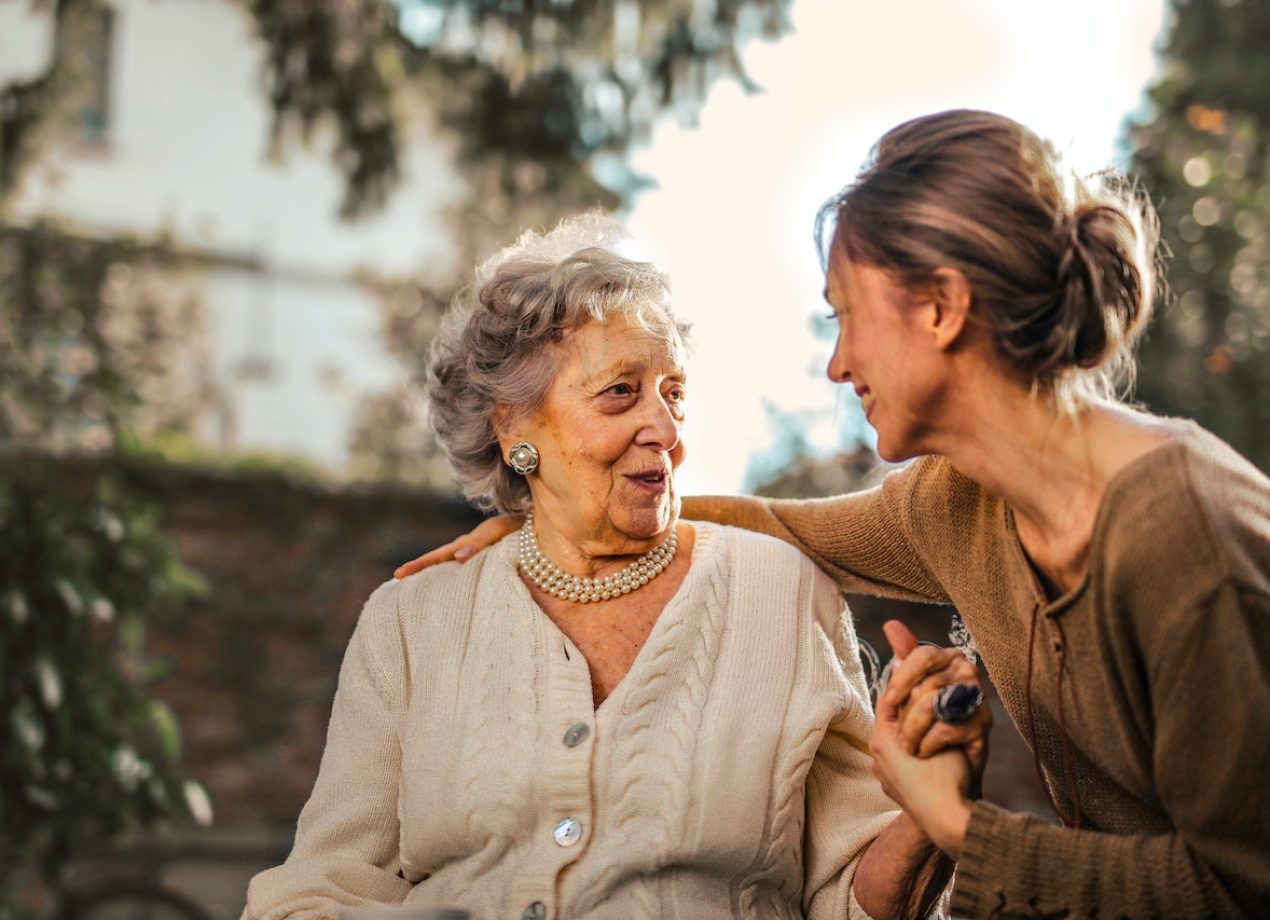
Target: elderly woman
x,y
598,716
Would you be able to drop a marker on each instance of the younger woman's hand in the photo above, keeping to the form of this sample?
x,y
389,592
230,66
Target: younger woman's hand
x,y
460,549
919,673
936,792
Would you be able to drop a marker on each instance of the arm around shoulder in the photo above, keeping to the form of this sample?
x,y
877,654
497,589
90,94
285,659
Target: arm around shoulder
x,y
862,540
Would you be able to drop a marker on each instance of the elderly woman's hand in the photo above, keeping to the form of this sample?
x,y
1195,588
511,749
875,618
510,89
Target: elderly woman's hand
x,y
919,673
935,791
460,549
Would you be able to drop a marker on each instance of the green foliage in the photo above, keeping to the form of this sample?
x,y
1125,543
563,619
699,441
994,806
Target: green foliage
x,y
86,752
1205,156
178,448
91,344
340,64
93,348
526,85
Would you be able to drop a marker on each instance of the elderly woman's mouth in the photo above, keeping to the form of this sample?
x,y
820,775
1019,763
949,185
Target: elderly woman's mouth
x,y
652,480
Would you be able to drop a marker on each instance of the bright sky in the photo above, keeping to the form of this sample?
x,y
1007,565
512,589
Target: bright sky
x,y
731,220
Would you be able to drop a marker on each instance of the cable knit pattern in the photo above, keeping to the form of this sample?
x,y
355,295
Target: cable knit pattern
x,y
656,750
1165,656
785,841
785,834
726,776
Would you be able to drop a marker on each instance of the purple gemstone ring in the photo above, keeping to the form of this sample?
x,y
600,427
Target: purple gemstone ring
x,y
956,703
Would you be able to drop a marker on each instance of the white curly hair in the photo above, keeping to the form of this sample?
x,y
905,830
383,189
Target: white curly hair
x,y
496,345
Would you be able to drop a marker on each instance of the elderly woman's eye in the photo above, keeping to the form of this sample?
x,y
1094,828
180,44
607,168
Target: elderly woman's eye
x,y
621,389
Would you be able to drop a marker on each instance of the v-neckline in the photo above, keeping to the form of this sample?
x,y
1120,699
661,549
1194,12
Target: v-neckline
x,y
1053,606
703,539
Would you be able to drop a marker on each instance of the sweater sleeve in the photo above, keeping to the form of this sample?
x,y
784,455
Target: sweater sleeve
x,y
1210,691
846,807
347,839
863,540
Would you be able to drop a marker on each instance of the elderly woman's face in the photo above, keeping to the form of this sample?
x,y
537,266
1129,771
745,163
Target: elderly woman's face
x,y
608,433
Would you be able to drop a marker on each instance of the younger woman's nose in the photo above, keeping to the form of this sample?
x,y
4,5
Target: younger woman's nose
x,y
837,370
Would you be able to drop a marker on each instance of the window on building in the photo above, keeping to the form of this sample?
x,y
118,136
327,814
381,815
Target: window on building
x,y
88,109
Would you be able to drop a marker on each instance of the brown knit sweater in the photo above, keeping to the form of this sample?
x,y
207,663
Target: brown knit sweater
x,y
1149,706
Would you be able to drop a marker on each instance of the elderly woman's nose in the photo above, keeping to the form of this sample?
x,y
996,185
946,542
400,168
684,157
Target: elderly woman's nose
x,y
660,426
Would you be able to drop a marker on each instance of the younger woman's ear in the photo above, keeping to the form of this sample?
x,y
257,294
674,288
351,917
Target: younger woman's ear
x,y
951,297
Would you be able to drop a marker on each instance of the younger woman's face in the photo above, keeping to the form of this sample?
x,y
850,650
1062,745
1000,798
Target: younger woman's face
x,y
886,355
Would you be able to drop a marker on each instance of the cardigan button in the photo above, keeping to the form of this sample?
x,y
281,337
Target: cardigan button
x,y
575,734
535,911
567,832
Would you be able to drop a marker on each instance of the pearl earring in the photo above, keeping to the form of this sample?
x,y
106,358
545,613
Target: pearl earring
x,y
523,458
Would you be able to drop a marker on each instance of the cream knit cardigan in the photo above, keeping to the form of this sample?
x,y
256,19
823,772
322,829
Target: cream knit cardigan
x,y
725,776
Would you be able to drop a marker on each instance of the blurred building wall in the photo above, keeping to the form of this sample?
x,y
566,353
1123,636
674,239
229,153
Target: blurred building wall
x,y
177,145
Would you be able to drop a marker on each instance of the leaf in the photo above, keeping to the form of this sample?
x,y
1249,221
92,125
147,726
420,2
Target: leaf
x,y
154,670
132,633
70,597
38,795
166,730
50,682
126,766
198,802
102,610
16,603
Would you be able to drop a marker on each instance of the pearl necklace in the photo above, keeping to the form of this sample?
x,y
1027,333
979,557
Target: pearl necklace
x,y
559,583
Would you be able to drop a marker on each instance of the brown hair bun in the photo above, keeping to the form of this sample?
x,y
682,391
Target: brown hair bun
x,y
1062,269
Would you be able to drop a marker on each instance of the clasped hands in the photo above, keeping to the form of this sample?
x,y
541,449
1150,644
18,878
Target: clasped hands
x,y
932,769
